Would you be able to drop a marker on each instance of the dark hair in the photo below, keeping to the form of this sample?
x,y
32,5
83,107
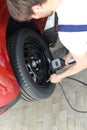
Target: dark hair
x,y
21,10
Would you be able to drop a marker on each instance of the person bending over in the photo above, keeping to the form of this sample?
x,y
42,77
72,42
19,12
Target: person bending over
x,y
72,27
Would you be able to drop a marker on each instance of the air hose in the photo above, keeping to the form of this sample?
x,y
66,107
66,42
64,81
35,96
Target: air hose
x,y
65,95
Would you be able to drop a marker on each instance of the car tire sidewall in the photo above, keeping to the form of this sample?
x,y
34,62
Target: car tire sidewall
x,y
24,79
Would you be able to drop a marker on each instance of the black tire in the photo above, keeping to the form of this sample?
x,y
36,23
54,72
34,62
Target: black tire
x,y
30,58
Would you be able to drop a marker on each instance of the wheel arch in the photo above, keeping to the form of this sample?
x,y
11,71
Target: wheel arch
x,y
14,26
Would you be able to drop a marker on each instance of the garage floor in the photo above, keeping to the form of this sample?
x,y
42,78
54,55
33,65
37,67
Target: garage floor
x,y
53,113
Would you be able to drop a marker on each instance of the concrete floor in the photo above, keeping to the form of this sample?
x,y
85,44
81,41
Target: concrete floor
x,y
53,113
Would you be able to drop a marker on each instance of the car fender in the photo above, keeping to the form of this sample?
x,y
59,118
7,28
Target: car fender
x,y
9,87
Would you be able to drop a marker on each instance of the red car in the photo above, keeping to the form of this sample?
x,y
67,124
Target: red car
x,y
25,58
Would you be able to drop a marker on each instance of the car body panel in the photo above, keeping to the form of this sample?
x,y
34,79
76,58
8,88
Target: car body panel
x,y
9,87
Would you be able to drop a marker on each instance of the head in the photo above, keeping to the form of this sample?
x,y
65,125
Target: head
x,y
24,10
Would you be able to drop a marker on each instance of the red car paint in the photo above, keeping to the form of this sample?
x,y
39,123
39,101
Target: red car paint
x,y
9,87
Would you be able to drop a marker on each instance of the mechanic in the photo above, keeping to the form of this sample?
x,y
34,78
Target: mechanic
x,y
72,31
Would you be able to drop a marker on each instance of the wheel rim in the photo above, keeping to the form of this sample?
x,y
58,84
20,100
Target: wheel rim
x,y
36,61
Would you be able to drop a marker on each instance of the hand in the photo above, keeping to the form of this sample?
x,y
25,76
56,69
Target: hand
x,y
55,78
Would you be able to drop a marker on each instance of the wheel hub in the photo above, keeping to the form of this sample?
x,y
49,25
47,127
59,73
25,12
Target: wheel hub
x,y
36,63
